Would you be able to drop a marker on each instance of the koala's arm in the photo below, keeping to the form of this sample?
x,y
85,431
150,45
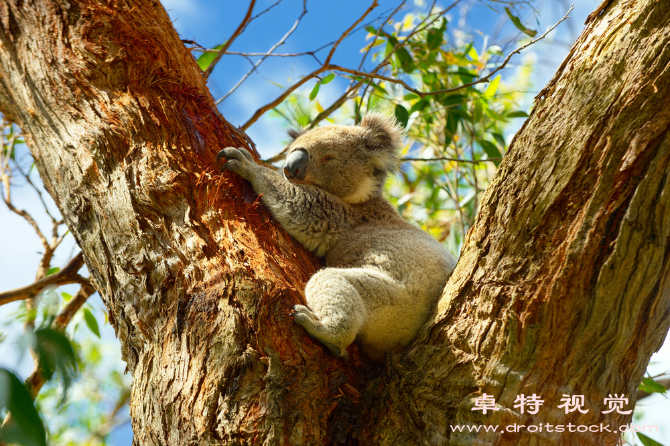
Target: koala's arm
x,y
314,217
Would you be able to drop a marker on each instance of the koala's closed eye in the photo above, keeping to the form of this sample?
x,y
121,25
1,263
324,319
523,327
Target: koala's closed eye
x,y
326,158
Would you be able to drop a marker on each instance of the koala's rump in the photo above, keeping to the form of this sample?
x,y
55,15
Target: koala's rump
x,y
418,268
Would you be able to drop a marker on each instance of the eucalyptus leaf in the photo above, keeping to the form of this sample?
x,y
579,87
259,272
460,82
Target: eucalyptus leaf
x,y
491,150
646,441
91,322
56,355
327,79
402,115
517,114
517,22
206,59
26,427
315,91
650,386
53,270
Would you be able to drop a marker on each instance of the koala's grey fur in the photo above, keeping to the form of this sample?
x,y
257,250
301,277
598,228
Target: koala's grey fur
x,y
383,274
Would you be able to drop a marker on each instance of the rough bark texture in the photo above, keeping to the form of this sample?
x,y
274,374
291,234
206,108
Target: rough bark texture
x,y
561,288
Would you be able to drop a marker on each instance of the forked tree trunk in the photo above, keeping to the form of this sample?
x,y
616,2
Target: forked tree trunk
x,y
561,288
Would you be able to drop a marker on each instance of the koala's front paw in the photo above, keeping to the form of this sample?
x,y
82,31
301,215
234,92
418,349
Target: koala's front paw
x,y
238,160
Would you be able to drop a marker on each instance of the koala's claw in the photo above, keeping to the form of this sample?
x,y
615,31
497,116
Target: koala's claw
x,y
303,310
310,322
238,160
233,153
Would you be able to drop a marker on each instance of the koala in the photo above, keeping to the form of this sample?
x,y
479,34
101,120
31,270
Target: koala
x,y
383,275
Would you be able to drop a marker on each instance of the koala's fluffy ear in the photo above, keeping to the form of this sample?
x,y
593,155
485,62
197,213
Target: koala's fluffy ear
x,y
382,135
293,134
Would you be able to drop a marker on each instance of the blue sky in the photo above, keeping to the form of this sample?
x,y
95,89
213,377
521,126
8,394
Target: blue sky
x,y
210,22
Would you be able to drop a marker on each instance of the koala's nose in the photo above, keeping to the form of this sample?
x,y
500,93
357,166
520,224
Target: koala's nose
x,y
296,165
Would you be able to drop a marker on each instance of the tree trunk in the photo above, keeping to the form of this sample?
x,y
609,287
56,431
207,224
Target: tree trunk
x,y
561,287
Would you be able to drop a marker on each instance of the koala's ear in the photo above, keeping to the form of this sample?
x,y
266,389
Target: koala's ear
x,y
293,134
382,135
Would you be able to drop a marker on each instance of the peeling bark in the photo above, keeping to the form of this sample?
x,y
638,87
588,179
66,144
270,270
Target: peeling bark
x,y
561,287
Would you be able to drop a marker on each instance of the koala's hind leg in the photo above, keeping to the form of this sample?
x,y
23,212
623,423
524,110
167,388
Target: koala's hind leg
x,y
336,310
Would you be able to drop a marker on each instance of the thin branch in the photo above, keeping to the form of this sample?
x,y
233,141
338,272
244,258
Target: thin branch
x,y
422,94
502,66
457,160
111,421
26,175
264,11
20,212
308,77
335,105
69,274
348,30
238,31
65,316
262,59
238,53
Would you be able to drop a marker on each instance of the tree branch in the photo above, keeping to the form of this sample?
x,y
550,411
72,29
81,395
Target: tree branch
x,y
422,94
274,47
311,75
238,31
69,274
458,160
7,197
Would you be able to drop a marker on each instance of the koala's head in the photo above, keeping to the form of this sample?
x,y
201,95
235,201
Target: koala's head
x,y
351,162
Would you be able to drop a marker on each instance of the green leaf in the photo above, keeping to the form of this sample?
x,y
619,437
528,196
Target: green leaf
x,y
378,88
646,441
206,59
452,99
91,322
315,91
405,60
650,386
495,115
500,139
26,428
474,55
53,270
419,106
492,87
477,112
66,296
515,20
451,128
56,355
462,113
465,75
435,36
371,29
402,115
517,114
491,150
327,79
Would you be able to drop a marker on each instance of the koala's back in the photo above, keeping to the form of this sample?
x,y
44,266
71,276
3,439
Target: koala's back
x,y
417,265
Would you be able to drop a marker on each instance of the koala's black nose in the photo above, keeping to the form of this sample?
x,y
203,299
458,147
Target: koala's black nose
x,y
296,165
